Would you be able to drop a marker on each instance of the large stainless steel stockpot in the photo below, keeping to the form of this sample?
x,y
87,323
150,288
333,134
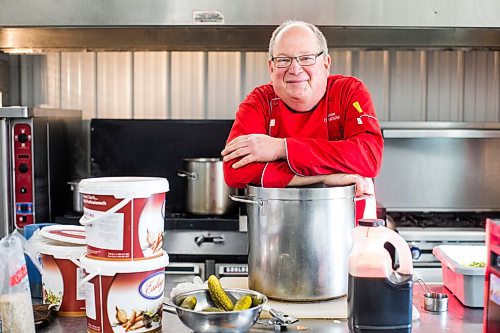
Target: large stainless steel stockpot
x,y
299,241
207,192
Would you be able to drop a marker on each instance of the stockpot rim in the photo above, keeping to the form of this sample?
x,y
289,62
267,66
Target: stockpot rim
x,y
202,159
313,192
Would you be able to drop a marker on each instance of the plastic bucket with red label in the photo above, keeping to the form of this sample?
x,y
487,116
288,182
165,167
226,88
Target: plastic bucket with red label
x,y
124,296
61,274
123,217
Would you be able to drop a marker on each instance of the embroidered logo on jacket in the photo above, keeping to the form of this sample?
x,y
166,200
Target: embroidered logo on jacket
x,y
333,116
357,107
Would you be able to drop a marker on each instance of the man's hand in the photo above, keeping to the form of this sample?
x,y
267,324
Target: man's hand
x,y
254,148
363,185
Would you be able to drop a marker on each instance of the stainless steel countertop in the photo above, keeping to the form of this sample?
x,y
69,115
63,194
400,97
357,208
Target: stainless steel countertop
x,y
457,319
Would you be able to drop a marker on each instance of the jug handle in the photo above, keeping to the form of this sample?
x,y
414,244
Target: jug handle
x,y
404,253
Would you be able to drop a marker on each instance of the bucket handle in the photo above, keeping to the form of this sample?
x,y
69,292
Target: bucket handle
x,y
245,199
187,174
86,221
75,261
87,278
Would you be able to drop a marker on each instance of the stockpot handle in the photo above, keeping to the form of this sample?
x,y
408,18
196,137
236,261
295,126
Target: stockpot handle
x,y
187,174
245,199
363,197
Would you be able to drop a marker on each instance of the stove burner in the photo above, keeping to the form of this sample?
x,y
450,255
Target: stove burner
x,y
440,219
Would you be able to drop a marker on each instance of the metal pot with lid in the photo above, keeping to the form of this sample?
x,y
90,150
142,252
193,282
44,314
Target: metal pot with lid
x,y
299,240
207,192
77,196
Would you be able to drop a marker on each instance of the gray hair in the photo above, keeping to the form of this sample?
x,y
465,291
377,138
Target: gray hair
x,y
319,35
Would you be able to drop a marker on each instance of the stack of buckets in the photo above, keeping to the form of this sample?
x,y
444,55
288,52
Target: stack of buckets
x,y
59,247
124,262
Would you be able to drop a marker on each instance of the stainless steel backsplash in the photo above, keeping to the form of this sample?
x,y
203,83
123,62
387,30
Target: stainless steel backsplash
x,y
407,84
448,169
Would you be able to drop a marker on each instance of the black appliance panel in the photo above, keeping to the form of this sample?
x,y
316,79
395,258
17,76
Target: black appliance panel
x,y
154,148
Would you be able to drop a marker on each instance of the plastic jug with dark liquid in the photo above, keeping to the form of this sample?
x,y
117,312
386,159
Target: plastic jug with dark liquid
x,y
379,299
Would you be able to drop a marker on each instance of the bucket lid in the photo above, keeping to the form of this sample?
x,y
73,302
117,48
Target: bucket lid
x,y
121,187
110,268
74,234
313,192
60,250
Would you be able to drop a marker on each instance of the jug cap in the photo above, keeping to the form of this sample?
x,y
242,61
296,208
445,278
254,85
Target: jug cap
x,y
371,222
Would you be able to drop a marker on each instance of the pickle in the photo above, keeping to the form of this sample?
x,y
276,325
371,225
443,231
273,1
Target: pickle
x,y
255,301
245,302
212,309
189,303
219,296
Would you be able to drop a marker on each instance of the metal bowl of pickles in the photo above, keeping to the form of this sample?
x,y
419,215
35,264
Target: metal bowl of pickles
x,y
207,316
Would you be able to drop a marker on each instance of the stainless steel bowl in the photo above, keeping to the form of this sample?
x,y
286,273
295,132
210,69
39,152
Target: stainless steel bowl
x,y
217,322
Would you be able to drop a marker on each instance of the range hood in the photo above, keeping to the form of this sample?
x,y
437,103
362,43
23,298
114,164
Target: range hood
x,y
243,24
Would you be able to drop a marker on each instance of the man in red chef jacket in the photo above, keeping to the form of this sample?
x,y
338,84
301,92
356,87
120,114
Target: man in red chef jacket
x,y
306,126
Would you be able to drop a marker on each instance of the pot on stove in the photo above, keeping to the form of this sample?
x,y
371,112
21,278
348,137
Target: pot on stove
x,y
207,192
77,196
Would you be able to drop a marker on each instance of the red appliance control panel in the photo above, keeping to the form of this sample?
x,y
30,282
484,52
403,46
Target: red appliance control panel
x,y
23,175
491,319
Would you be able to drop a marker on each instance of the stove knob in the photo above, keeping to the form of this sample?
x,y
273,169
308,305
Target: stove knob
x,y
23,168
23,138
415,252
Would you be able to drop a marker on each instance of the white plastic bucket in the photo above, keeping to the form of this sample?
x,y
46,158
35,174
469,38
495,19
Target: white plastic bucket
x,y
123,296
123,217
61,276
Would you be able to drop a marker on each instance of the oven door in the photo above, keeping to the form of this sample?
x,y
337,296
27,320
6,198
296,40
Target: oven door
x,y
6,224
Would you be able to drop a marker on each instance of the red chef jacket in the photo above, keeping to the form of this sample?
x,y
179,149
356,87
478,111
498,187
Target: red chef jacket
x,y
340,135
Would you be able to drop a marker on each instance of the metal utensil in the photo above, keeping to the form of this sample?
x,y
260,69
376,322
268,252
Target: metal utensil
x,y
434,302
223,322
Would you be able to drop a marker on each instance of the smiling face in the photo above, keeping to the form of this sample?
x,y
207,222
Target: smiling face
x,y
300,87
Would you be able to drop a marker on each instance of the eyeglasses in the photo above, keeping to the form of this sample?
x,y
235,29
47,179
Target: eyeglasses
x,y
303,60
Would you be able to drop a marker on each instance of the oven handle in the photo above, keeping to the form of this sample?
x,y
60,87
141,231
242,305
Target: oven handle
x,y
465,133
182,270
